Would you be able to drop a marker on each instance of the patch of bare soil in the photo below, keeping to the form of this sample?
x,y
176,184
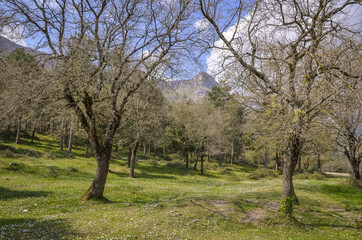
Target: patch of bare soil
x,y
255,215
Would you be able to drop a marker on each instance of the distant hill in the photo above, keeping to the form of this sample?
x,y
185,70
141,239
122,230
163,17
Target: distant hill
x,y
195,88
7,46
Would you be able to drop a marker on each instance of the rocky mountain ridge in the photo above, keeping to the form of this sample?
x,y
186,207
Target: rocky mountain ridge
x,y
195,88
7,46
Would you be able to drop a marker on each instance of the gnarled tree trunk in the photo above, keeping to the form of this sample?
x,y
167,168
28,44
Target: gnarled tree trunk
x,y
355,167
292,156
99,182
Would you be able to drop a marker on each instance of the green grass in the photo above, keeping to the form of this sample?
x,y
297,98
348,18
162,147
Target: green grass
x,y
40,198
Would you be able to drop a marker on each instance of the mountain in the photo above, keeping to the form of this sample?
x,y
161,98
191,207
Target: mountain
x,y
195,88
7,46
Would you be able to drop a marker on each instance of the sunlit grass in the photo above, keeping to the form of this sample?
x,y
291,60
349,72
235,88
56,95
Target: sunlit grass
x,y
40,198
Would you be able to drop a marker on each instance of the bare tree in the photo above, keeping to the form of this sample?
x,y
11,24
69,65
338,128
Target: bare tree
x,y
278,58
98,47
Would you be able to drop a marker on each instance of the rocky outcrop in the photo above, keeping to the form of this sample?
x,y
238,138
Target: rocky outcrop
x,y
195,88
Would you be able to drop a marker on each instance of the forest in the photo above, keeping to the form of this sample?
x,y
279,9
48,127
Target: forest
x,y
266,144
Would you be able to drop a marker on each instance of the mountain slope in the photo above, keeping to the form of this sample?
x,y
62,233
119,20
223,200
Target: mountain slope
x,y
194,89
7,46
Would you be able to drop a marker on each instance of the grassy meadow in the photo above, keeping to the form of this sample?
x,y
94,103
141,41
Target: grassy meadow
x,y
40,198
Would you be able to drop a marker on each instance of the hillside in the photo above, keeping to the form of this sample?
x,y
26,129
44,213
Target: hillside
x,y
194,88
7,46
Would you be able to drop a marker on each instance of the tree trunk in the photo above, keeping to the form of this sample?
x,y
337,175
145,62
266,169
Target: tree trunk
x,y
33,133
99,181
208,157
186,156
277,163
299,163
86,149
319,162
202,164
288,195
195,165
129,157
66,137
17,140
164,151
144,148
133,159
355,167
266,159
62,134
232,154
220,160
70,142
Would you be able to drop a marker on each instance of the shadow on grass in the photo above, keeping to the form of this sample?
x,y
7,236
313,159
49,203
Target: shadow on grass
x,y
171,169
321,223
47,171
341,191
9,151
6,193
142,175
29,228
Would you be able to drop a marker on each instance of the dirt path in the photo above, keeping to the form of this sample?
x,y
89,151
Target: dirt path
x,y
337,174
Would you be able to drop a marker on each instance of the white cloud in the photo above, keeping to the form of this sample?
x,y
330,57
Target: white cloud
x,y
202,24
14,34
269,30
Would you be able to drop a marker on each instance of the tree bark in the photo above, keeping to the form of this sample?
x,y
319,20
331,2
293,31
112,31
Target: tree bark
x,y
299,163
232,154
353,156
129,157
277,163
195,165
17,140
186,156
220,160
97,187
86,149
319,162
70,142
202,164
355,167
33,134
133,159
289,197
144,148
62,134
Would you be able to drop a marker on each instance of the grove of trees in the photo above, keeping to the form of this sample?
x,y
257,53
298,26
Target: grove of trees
x,y
289,81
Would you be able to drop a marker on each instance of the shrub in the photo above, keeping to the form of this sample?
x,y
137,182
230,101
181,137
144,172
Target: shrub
x,y
262,173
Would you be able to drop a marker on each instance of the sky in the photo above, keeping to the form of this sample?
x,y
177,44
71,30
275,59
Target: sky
x,y
215,59
209,61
